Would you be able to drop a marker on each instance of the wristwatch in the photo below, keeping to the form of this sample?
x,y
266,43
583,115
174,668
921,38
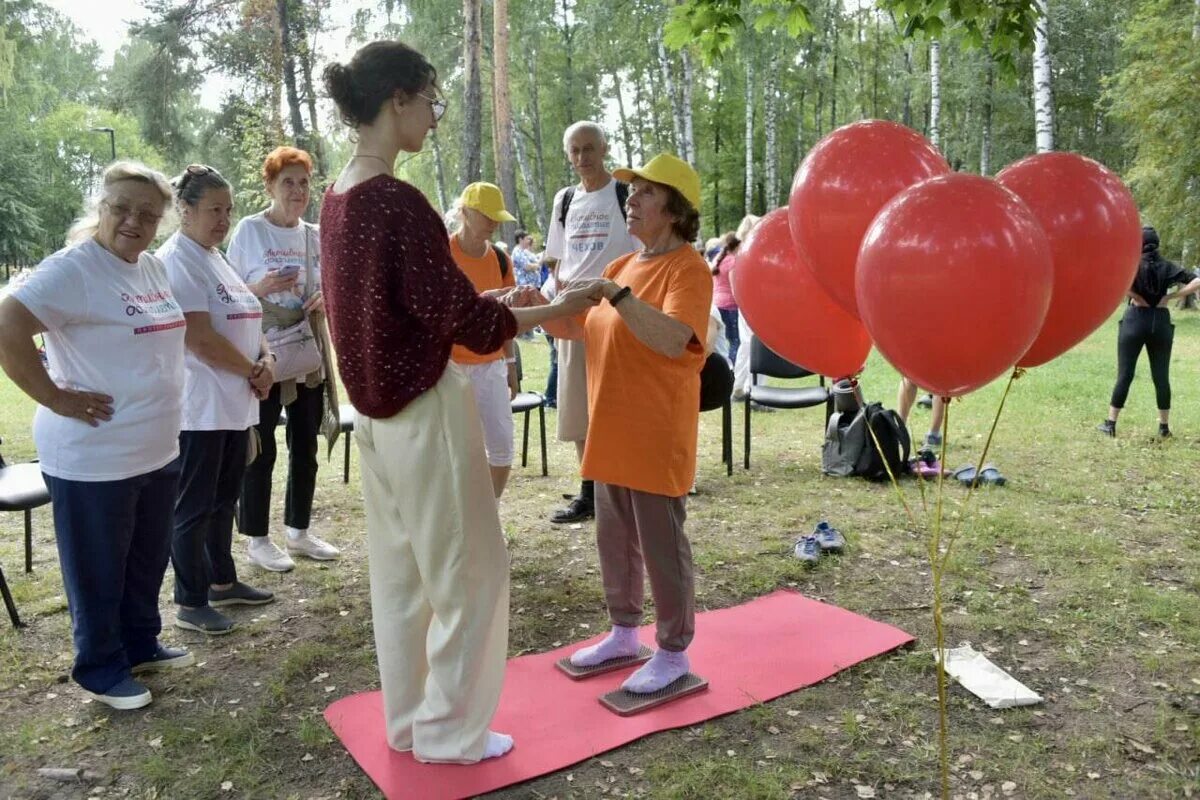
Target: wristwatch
x,y
621,294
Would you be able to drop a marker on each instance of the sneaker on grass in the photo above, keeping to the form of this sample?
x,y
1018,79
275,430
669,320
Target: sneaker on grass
x,y
239,595
829,538
808,550
125,696
205,619
264,553
311,547
164,658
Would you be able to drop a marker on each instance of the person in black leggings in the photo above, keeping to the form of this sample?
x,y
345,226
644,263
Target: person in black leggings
x,y
1147,323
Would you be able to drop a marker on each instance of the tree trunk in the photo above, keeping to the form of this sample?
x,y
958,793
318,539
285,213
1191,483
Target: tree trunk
x,y
503,125
834,83
771,130
1043,98
935,92
310,94
539,156
568,34
1196,24
439,173
537,197
299,135
749,131
716,172
626,141
875,73
471,168
907,116
985,152
689,131
668,78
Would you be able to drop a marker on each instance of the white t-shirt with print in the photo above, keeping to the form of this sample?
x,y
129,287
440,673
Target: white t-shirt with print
x,y
214,399
114,328
259,245
595,233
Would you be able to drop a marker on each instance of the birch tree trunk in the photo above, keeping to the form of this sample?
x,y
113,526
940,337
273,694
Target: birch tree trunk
x,y
716,172
470,167
833,13
907,116
502,119
935,92
689,131
748,205
310,94
1196,27
771,130
537,197
1043,98
539,156
985,150
626,141
668,78
439,172
568,35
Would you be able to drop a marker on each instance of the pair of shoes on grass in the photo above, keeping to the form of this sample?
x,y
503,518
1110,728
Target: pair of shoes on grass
x,y
129,694
824,539
206,619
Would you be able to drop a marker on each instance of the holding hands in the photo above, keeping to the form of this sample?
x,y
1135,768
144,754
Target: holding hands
x,y
262,377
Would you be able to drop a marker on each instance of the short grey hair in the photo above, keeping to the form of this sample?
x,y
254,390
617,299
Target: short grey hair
x,y
86,226
584,125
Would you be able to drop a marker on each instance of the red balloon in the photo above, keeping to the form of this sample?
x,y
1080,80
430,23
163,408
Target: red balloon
x,y
954,280
842,184
1095,236
789,310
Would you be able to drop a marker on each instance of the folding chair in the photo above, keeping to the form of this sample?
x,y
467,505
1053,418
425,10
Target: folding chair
x,y
766,362
21,489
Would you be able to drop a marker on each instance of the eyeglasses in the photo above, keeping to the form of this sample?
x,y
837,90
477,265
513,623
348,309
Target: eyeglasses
x,y
123,212
436,104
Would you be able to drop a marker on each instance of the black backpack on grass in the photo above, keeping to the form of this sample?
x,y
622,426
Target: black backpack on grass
x,y
894,444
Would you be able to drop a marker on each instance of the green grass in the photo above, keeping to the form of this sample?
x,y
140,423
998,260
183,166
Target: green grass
x,y
1082,578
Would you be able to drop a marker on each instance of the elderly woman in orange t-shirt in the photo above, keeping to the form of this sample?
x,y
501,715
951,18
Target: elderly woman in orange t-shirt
x,y
645,351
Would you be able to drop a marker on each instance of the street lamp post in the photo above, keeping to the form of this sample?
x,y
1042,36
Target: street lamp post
x,y
112,139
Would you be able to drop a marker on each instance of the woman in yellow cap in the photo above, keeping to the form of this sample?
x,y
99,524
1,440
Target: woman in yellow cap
x,y
645,350
493,375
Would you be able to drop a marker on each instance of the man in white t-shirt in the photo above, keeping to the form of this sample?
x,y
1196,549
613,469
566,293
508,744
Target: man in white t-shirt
x,y
587,231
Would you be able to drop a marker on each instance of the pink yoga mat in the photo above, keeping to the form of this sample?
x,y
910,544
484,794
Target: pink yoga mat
x,y
750,653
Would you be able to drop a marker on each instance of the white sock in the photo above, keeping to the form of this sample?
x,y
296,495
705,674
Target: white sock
x,y
661,671
296,533
497,745
622,642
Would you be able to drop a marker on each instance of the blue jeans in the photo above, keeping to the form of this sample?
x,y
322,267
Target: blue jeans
x,y
114,540
211,466
552,380
730,317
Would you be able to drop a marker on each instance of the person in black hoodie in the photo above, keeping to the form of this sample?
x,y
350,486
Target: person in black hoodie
x,y
1147,323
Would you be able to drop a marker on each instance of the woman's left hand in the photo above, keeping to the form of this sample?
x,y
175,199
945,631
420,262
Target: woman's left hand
x,y
315,304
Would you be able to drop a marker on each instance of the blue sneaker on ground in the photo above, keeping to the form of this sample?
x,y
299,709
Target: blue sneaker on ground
x,y
808,549
829,538
125,696
164,658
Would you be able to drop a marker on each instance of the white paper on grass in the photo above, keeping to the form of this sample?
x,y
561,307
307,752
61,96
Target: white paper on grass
x,y
985,680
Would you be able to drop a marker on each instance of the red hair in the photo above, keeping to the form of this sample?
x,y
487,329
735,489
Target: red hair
x,y
282,157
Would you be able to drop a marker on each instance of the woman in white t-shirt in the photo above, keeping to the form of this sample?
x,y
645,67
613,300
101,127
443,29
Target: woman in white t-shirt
x,y
274,252
107,425
227,370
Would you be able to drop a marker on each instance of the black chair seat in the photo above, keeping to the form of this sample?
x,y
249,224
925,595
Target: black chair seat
x,y
22,487
785,397
346,417
527,401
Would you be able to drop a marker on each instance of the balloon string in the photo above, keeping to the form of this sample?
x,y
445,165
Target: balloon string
x,y
1017,373
937,568
895,483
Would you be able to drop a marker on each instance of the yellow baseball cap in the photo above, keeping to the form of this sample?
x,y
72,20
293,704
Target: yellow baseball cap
x,y
487,200
670,170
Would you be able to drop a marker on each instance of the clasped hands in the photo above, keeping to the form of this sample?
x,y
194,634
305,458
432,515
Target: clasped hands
x,y
576,296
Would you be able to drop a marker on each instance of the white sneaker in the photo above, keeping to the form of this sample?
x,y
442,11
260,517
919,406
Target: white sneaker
x,y
313,547
264,553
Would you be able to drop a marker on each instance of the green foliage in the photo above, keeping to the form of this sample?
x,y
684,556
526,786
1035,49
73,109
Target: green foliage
x,y
1157,97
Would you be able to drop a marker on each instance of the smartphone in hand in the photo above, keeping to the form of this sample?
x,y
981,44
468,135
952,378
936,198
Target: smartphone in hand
x,y
288,270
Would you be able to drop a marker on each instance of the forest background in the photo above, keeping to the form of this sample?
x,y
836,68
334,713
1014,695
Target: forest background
x,y
741,89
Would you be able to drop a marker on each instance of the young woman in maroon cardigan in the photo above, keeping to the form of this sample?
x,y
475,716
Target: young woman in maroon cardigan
x,y
396,303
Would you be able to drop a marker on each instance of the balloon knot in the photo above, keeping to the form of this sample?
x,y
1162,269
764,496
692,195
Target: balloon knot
x,y
1018,373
